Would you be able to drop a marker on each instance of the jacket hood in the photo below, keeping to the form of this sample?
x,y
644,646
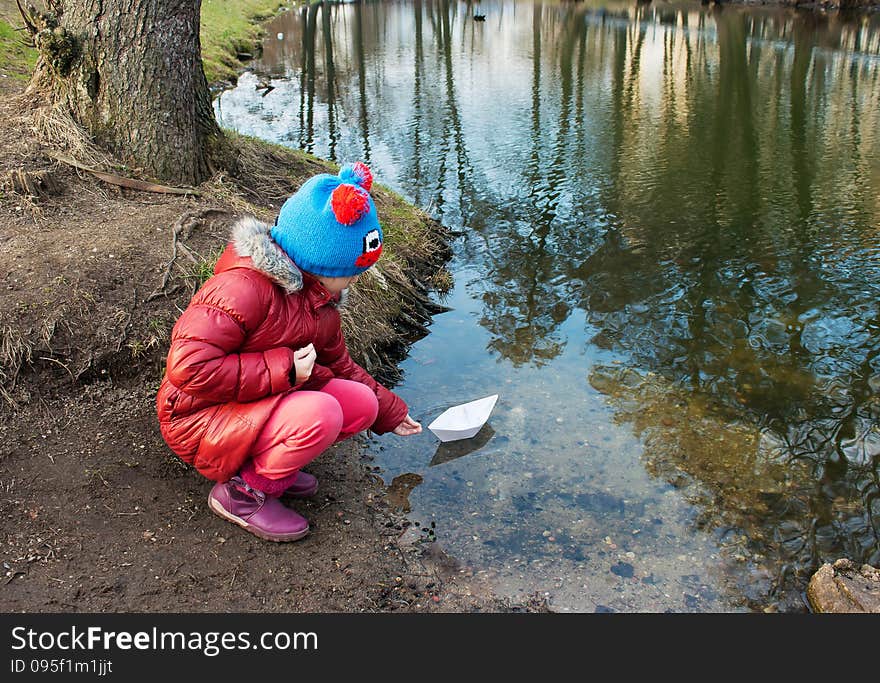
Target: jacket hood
x,y
251,238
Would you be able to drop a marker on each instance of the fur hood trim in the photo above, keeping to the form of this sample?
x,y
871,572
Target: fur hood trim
x,y
252,238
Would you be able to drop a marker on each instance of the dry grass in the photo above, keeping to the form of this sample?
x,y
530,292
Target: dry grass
x,y
15,349
56,130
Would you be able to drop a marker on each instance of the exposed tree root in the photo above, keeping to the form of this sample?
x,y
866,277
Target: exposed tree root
x,y
182,229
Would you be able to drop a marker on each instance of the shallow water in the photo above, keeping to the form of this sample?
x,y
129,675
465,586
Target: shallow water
x,y
668,270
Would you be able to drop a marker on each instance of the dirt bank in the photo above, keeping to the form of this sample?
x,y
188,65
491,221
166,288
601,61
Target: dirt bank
x,y
97,514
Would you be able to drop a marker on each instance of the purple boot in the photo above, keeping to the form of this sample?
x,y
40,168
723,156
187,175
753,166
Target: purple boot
x,y
262,515
303,486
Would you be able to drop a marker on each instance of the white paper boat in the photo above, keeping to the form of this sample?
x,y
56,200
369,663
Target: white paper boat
x,y
463,421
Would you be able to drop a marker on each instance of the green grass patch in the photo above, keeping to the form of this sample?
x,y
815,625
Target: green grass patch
x,y
229,27
17,59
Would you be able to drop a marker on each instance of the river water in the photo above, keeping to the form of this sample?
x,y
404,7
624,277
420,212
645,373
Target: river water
x,y
668,267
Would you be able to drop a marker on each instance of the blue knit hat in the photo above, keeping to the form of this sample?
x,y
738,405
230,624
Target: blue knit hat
x,y
329,227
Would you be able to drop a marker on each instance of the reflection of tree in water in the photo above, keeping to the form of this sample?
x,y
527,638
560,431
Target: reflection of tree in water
x,y
463,170
414,166
525,299
363,114
330,79
307,78
750,296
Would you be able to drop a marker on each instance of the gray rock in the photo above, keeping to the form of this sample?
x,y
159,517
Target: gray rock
x,y
843,588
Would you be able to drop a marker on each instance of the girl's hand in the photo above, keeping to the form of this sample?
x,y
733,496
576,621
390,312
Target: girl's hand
x,y
303,362
408,427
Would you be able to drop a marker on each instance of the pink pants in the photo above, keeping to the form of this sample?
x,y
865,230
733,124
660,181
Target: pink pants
x,y
305,424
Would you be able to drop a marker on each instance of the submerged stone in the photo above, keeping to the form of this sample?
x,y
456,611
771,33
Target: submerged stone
x,y
623,569
842,588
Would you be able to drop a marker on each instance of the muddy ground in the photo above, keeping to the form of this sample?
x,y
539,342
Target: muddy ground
x,y
96,513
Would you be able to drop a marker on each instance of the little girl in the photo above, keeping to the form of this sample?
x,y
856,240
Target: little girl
x,y
259,380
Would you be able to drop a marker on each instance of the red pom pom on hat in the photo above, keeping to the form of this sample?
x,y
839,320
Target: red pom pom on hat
x,y
349,203
357,174
364,174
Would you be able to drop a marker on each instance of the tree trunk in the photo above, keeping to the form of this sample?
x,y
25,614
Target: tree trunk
x,y
130,72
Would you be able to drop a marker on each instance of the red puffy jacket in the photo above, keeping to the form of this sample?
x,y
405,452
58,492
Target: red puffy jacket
x,y
232,352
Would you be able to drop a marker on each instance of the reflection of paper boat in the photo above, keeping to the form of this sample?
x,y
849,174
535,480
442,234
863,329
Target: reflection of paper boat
x,y
463,421
458,449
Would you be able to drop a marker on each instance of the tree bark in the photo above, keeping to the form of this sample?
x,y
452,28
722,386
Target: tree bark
x,y
130,72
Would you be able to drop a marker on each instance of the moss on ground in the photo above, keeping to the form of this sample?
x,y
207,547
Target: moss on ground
x,y
17,59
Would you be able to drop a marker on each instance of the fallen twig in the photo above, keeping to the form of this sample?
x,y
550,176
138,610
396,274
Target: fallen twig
x,y
53,360
121,181
8,398
326,505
